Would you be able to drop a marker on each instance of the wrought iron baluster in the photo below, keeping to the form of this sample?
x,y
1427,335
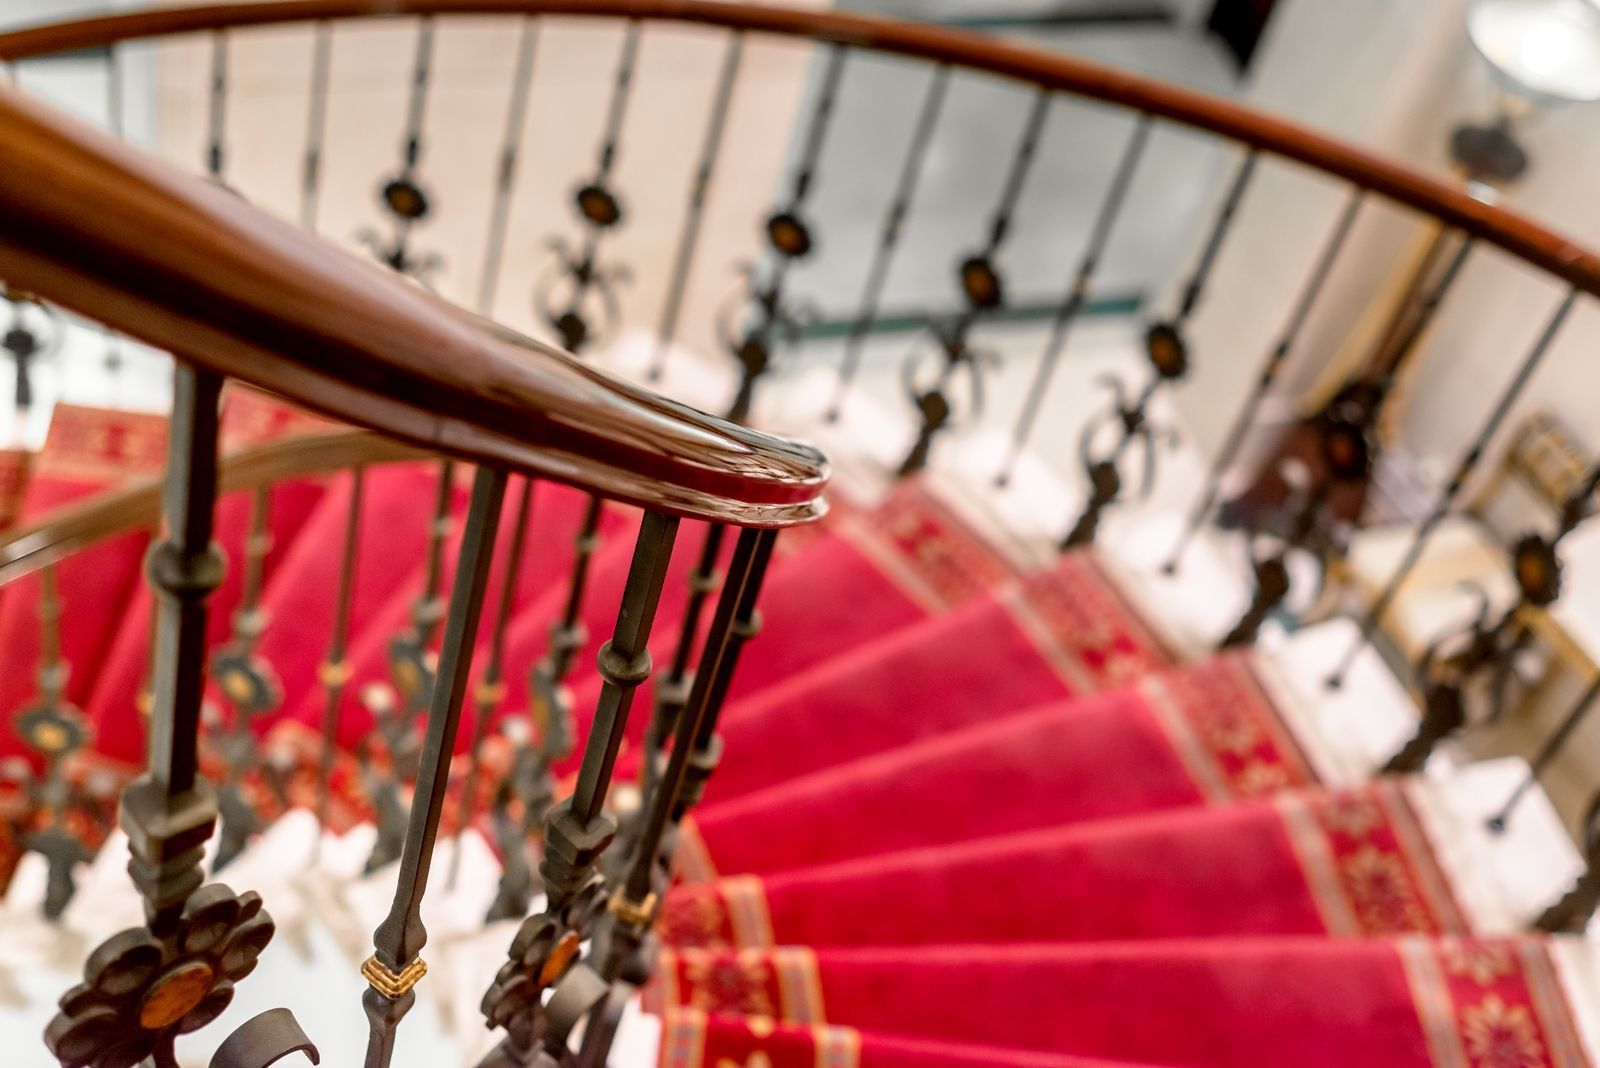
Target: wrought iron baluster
x,y
624,948
551,700
601,210
1488,651
506,173
577,832
1168,354
414,675
1265,380
176,973
54,729
983,288
395,966
491,688
334,673
216,115
1464,468
762,304
1078,294
316,126
1546,755
169,811
889,235
689,238
672,692
403,196
27,344
696,749
250,686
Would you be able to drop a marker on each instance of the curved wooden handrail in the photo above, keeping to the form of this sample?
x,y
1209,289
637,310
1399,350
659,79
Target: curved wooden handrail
x,y
26,549
1515,233
126,239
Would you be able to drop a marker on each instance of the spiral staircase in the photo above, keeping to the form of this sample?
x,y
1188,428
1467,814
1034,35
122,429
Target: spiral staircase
x,y
402,696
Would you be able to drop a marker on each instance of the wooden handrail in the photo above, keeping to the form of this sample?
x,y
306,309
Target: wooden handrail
x,y
26,549
133,242
1509,230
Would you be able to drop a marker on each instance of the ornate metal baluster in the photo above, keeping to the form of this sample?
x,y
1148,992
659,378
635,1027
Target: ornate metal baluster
x,y
551,700
402,195
577,831
683,259
506,174
1168,353
672,692
696,749
1078,294
395,967
27,345
251,687
1578,906
1452,490
983,289
216,114
54,729
145,986
600,210
1546,755
316,126
413,671
889,236
491,688
334,673
762,304
1264,382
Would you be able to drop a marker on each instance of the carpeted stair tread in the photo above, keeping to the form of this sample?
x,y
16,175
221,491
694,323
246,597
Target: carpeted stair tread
x,y
694,1039
546,561
858,767
1054,634
1308,1002
1307,863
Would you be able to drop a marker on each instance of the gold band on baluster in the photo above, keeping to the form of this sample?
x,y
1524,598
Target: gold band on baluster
x,y
334,672
393,985
491,693
633,913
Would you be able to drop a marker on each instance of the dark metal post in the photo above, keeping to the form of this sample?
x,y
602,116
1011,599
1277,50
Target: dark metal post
x,y
395,967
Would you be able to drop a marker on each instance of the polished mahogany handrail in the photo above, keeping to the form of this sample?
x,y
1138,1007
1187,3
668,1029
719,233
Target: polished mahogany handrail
x,y
1511,231
129,240
53,537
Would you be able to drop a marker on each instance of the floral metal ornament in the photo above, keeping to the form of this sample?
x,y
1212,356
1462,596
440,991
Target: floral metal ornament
x,y
408,206
1537,570
140,990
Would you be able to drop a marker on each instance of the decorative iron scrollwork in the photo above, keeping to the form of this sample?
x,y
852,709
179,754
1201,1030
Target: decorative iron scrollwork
x,y
1346,457
936,399
1128,420
755,321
